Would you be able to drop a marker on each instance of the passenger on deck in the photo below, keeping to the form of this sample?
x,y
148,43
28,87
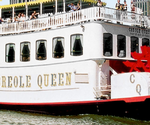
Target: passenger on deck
x,y
125,10
22,18
118,5
15,19
36,14
132,7
100,4
10,20
18,17
133,10
125,6
72,7
1,20
78,6
32,16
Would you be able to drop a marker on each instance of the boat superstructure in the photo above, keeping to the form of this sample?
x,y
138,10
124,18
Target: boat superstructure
x,y
74,63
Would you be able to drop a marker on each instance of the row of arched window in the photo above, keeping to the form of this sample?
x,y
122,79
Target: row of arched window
x,y
58,47
121,44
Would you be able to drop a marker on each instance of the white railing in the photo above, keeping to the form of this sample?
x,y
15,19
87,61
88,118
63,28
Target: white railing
x,y
89,14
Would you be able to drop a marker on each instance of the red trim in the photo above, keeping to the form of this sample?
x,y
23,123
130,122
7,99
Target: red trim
x,y
127,100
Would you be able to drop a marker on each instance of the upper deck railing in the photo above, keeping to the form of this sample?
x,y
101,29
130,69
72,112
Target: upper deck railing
x,y
64,19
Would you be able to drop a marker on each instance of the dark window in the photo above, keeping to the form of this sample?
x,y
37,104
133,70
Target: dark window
x,y
25,51
145,42
10,52
41,50
121,42
58,47
108,44
134,44
77,45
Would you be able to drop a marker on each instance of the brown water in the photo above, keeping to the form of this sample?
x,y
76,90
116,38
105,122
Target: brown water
x,y
21,118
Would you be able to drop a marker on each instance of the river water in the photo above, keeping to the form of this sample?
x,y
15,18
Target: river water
x,y
23,118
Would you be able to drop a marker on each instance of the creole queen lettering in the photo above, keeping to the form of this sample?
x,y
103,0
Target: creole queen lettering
x,y
44,80
10,82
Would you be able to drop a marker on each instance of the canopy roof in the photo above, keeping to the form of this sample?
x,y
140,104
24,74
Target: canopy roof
x,y
36,2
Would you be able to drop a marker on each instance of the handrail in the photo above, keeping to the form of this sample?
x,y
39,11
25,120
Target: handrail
x,y
64,19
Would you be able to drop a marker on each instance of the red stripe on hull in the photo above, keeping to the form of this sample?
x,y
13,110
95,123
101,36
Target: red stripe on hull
x,y
127,100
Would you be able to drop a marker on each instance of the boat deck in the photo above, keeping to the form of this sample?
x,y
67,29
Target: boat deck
x,y
77,17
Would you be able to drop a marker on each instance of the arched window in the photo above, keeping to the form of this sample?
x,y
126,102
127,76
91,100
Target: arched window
x,y
134,44
58,47
10,52
145,42
76,45
121,46
107,44
25,51
41,53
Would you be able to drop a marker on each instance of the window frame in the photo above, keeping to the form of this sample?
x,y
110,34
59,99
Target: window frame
x,y
21,52
37,49
131,44
6,52
120,49
54,47
146,38
81,42
104,45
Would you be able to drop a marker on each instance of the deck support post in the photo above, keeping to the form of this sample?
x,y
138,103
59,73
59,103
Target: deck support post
x,y
55,6
0,12
41,8
13,14
26,6
80,4
64,6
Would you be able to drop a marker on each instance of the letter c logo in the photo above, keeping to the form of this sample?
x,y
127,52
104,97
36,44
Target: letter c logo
x,y
132,78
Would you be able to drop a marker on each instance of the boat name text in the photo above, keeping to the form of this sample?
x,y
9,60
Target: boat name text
x,y
139,32
44,80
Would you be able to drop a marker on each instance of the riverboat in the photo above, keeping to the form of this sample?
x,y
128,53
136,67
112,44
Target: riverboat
x,y
76,62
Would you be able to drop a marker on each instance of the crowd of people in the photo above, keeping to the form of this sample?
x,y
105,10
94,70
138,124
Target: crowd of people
x,y
119,6
123,7
21,17
73,7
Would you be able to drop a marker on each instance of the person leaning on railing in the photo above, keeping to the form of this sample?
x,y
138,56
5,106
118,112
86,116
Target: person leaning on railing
x,y
99,3
125,6
133,8
1,20
118,7
22,18
125,10
72,7
78,6
36,14
32,16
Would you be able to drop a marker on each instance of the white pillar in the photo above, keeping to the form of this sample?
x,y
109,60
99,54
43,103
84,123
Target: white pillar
x,y
55,6
80,4
64,6
41,8
26,6
13,13
0,12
